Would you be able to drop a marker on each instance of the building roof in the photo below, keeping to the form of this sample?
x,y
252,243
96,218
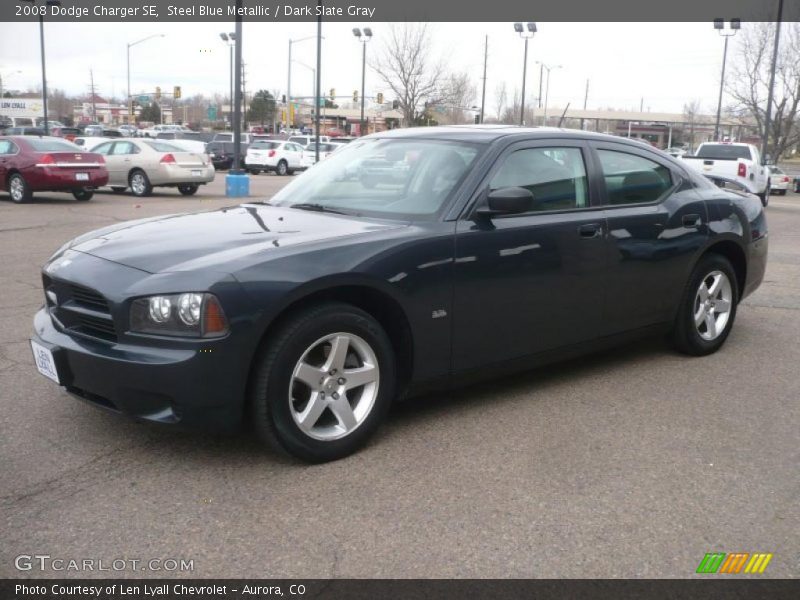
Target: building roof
x,y
635,115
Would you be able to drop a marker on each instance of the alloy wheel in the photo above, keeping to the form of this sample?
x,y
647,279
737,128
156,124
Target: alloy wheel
x,y
712,305
137,184
334,386
16,189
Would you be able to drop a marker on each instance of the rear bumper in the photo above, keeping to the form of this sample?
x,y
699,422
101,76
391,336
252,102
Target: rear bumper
x,y
175,175
53,179
756,264
176,386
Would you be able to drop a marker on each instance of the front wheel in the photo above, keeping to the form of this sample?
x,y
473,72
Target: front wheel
x,y
188,189
324,383
708,308
83,195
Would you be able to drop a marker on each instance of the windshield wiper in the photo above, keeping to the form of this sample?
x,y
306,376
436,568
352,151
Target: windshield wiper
x,y
317,208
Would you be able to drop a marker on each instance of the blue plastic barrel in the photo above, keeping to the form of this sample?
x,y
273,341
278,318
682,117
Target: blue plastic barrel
x,y
237,185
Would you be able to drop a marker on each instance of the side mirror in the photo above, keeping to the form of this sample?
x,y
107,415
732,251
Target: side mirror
x,y
507,201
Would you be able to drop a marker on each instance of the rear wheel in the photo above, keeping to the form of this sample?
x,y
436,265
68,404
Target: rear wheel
x,y
83,195
282,168
708,308
324,383
18,189
140,184
188,189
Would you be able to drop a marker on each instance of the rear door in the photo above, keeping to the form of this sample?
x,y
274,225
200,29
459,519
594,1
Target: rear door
x,y
656,224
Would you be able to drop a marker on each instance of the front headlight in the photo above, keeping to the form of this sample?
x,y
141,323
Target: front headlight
x,y
187,315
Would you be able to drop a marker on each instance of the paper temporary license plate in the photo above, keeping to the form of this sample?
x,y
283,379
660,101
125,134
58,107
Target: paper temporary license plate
x,y
197,173
81,176
45,362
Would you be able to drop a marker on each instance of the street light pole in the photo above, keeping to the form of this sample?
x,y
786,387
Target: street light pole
x,y
130,45
363,37
44,69
719,25
765,141
290,122
230,40
318,81
526,33
547,88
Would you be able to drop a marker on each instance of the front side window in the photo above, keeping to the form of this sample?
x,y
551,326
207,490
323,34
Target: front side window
x,y
631,179
555,176
389,178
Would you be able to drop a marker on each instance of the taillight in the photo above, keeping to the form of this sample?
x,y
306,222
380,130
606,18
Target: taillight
x,y
101,159
742,170
167,159
786,178
271,153
47,159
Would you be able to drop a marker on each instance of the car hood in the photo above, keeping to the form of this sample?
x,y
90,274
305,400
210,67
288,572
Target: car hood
x,y
215,240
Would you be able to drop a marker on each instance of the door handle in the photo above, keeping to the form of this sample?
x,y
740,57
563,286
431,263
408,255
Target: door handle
x,y
590,230
691,221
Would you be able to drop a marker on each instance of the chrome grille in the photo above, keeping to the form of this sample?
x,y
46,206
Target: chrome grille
x,y
77,309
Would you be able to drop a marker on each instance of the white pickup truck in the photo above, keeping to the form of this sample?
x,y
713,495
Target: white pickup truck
x,y
738,162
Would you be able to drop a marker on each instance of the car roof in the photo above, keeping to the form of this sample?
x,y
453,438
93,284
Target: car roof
x,y
490,133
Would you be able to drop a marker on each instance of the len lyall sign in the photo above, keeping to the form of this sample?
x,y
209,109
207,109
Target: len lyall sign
x,y
21,107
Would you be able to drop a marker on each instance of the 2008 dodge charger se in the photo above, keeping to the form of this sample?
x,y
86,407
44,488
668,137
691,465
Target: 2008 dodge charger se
x,y
407,261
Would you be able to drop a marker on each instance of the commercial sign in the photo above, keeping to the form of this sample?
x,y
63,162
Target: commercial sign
x,y
21,107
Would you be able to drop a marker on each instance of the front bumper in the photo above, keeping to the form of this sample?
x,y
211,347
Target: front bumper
x,y
187,386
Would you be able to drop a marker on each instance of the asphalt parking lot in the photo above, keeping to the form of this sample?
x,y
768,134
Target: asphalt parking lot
x,y
633,463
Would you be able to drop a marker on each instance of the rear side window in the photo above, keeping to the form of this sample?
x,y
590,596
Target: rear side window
x,y
163,147
555,176
631,179
45,145
723,152
264,145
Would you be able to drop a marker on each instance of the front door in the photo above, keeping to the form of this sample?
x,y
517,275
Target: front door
x,y
531,282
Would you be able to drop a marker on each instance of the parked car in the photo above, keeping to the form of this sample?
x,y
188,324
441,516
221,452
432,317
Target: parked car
x,y
676,151
23,131
305,140
779,181
48,164
88,143
221,154
100,131
68,133
190,142
741,162
246,138
128,130
141,165
308,315
325,150
284,158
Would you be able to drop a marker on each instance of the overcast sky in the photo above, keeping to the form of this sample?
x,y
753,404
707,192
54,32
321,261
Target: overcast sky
x,y
667,64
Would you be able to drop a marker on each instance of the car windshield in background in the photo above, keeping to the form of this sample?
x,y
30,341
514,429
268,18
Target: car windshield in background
x,y
388,178
723,152
164,147
45,145
264,145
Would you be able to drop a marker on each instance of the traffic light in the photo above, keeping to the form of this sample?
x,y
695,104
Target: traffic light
x,y
477,119
395,104
380,98
355,95
283,99
176,92
283,116
333,93
158,93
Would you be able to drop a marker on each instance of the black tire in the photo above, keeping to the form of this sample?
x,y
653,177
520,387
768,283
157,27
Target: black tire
x,y
118,190
139,187
18,189
254,171
188,189
685,335
83,195
282,168
780,192
765,197
271,409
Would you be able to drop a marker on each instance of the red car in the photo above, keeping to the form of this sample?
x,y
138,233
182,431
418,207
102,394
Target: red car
x,y
46,164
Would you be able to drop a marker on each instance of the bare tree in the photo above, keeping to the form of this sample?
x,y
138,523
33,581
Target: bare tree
x,y
691,113
405,65
457,94
749,83
500,99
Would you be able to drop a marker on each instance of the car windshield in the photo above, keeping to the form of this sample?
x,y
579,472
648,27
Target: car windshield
x,y
45,145
776,171
163,147
723,152
389,178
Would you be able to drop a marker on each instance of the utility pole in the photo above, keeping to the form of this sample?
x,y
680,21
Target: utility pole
x,y
485,59
244,98
91,88
585,100
765,142
641,105
318,82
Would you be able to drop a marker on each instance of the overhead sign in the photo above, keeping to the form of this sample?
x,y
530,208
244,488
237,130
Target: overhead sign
x,y
212,113
144,98
21,107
